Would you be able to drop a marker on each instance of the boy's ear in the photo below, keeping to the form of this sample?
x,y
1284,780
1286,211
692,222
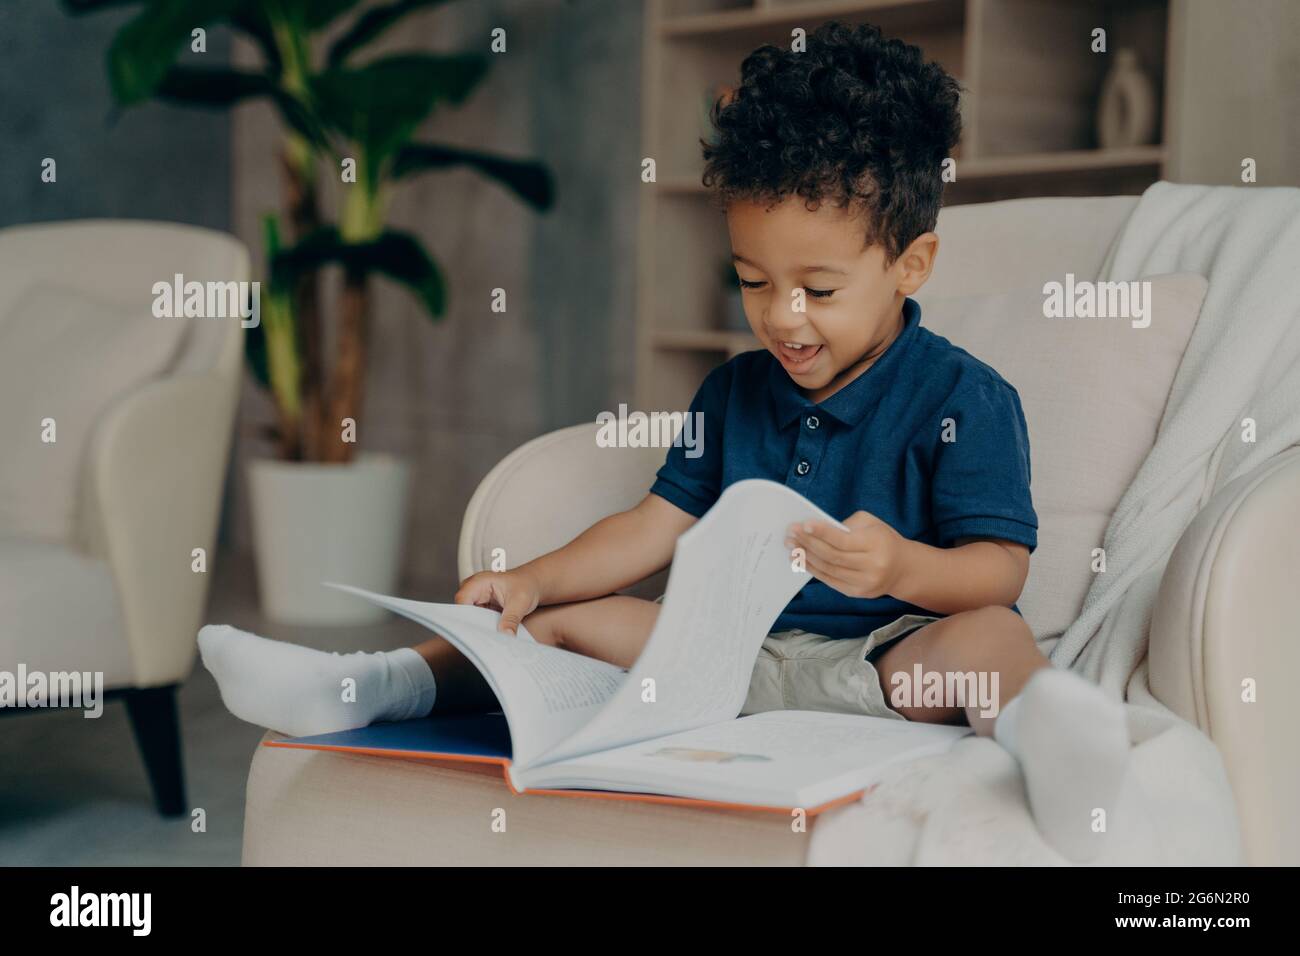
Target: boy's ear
x,y
916,262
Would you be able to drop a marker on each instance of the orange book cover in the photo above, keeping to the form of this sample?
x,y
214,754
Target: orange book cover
x,y
485,738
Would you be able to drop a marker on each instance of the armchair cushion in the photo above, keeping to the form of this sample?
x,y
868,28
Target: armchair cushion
x,y
59,612
66,355
1093,392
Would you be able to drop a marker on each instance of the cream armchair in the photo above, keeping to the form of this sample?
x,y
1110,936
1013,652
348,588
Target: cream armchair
x,y
1228,609
99,528
1231,575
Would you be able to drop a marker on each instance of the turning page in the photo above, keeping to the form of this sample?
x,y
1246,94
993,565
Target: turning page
x,y
731,577
545,693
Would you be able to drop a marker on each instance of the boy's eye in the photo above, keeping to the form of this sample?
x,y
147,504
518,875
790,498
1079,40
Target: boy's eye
x,y
815,293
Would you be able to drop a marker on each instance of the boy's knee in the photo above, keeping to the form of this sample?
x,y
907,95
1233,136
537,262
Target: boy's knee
x,y
546,626
984,632
1000,620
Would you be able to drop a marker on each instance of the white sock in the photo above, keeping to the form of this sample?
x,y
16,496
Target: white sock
x,y
1072,744
300,691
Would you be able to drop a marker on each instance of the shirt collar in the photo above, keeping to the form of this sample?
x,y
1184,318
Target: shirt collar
x,y
852,402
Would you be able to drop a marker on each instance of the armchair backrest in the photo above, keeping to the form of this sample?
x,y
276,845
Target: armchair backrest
x,y
78,333
549,490
990,248
117,261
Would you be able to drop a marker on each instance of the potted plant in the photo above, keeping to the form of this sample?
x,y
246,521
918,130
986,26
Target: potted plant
x,y
320,511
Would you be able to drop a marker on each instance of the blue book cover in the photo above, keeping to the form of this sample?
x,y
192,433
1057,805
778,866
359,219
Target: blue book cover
x,y
479,737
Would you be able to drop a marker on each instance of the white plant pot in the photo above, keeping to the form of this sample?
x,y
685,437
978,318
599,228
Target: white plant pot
x,y
317,522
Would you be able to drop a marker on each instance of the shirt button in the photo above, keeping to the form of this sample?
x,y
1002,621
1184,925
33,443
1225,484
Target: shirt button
x,y
812,421
802,468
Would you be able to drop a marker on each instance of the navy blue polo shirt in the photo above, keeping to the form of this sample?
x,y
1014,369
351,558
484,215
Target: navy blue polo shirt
x,y
928,439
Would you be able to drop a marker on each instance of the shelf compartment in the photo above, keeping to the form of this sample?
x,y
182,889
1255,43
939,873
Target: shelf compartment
x,y
892,16
705,340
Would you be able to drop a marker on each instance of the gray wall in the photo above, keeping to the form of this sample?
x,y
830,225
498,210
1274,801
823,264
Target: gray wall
x,y
457,396
1235,91
153,162
586,117
453,397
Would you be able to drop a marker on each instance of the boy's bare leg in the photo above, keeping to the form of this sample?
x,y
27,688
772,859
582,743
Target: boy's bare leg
x,y
461,688
1070,740
612,629
986,641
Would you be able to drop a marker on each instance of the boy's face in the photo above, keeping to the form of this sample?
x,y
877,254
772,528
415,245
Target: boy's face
x,y
852,301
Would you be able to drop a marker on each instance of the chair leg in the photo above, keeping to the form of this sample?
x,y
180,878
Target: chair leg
x,y
158,734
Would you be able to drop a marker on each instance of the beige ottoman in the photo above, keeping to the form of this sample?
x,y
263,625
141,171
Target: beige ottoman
x,y
316,808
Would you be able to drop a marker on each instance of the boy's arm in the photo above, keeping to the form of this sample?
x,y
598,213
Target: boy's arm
x,y
614,553
975,573
628,547
871,559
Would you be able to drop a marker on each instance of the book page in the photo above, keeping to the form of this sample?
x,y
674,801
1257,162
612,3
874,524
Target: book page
x,y
783,758
545,693
731,577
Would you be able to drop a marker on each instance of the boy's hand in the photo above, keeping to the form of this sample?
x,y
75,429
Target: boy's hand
x,y
515,593
867,561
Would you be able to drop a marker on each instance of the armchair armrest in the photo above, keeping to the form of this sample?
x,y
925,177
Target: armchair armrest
x,y
151,493
1228,611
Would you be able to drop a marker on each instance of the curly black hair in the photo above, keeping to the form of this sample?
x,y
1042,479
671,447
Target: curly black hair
x,y
856,119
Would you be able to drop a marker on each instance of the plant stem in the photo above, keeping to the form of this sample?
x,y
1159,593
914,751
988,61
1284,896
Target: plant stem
x,y
348,381
283,369
298,165
360,220
364,207
304,218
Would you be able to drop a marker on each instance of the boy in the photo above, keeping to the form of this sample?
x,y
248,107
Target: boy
x,y
827,163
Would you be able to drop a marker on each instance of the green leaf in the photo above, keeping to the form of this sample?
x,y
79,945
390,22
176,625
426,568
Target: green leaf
x,y
527,179
218,87
300,118
145,49
271,234
321,13
248,18
212,86
251,19
255,353
397,255
370,24
315,14
380,104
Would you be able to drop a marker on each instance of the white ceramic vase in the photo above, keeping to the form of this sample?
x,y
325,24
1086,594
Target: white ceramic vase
x,y
1126,111
317,522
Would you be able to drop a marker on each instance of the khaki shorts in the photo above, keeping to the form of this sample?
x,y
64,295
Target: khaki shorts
x,y
797,670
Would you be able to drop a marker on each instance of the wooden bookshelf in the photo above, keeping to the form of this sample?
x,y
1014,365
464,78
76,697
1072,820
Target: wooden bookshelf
x,y
1030,86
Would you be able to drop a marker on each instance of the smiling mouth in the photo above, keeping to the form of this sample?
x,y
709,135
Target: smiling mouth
x,y
797,357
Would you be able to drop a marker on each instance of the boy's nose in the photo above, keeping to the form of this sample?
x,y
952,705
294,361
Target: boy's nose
x,y
783,317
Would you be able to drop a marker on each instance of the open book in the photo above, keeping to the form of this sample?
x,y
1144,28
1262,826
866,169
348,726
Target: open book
x,y
668,726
